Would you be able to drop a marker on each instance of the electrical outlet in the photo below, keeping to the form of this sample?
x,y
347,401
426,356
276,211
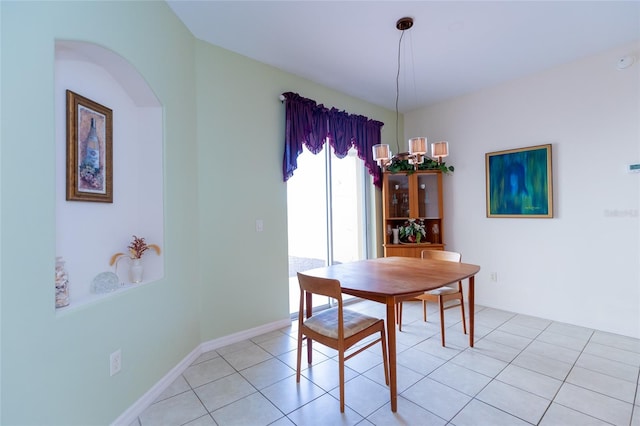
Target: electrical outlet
x,y
494,277
115,362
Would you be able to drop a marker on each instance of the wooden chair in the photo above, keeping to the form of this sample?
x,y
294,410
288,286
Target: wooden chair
x,y
337,328
440,295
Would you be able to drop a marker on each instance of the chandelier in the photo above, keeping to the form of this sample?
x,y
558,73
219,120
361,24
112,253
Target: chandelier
x,y
417,146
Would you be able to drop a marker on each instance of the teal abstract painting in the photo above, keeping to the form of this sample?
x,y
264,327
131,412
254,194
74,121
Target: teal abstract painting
x,y
519,182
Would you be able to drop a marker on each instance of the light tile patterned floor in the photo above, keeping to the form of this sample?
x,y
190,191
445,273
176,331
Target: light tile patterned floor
x,y
522,371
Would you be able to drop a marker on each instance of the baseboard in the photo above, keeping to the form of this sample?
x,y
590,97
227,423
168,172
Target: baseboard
x,y
131,414
244,335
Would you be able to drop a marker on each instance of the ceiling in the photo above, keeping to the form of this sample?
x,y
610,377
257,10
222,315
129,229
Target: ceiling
x,y
454,47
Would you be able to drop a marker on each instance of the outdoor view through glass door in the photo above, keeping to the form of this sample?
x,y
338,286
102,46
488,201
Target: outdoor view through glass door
x,y
326,215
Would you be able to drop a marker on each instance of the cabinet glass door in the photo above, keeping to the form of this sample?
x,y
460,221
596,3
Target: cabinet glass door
x,y
399,196
428,206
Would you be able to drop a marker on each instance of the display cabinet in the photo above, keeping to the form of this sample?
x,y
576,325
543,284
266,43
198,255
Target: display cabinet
x,y
407,196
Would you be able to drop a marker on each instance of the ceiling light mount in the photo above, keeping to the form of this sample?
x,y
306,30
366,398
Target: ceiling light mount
x,y
404,23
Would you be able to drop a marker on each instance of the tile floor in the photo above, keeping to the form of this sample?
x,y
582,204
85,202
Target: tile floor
x,y
522,371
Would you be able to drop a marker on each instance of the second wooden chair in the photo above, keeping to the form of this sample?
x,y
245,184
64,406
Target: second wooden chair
x,y
442,294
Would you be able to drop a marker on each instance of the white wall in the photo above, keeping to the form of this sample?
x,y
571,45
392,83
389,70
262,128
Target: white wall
x,y
583,266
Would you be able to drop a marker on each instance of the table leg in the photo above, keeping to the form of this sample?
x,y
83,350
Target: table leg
x,y
391,343
309,311
472,309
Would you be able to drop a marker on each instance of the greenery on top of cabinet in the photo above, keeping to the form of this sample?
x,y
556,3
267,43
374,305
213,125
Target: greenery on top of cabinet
x,y
398,165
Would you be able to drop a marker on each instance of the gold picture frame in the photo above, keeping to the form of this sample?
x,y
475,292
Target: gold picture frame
x,y
89,150
519,183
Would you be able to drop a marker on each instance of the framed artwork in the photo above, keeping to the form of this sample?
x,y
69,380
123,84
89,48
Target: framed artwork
x,y
89,150
519,183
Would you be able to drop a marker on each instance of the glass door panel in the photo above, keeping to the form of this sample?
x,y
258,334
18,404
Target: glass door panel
x,y
306,216
347,224
326,216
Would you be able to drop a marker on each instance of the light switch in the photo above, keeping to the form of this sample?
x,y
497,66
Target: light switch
x,y
259,225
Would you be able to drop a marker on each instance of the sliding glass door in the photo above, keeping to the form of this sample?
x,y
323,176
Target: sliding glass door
x,y
327,218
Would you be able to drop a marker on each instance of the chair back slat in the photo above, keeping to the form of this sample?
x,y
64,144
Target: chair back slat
x,y
322,286
450,256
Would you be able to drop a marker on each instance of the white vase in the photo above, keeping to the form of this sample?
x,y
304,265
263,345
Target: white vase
x,y
396,239
135,271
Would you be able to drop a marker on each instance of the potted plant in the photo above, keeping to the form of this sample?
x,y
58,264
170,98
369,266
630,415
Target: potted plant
x,y
413,231
137,248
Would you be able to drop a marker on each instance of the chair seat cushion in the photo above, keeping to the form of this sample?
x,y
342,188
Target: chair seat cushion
x,y
443,290
326,322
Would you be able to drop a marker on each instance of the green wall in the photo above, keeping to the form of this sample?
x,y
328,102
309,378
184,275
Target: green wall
x,y
55,366
223,127
244,274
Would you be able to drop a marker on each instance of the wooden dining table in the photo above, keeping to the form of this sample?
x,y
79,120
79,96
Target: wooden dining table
x,y
391,280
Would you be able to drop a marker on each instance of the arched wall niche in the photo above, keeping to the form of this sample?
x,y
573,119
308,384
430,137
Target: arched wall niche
x,y
89,233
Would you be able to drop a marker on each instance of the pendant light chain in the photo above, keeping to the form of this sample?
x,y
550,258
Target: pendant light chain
x,y
398,90
418,145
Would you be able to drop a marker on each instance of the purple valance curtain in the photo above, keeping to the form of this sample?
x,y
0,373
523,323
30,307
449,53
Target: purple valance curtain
x,y
311,125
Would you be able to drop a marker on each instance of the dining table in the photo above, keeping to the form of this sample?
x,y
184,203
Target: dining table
x,y
390,280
